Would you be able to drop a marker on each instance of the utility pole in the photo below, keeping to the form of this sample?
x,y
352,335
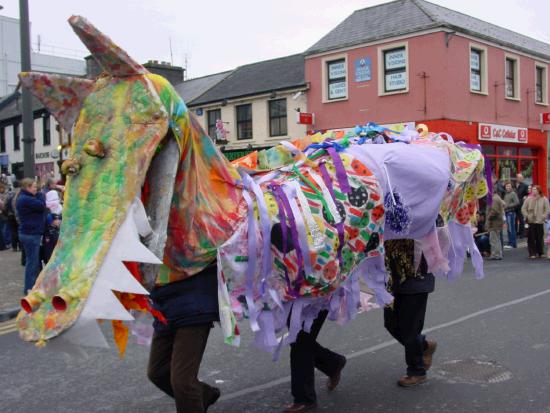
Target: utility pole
x,y
28,120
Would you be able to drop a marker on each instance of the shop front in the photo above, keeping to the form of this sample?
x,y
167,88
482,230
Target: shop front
x,y
511,150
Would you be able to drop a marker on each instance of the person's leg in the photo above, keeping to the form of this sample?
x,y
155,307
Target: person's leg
x,y
31,247
3,243
521,225
511,224
531,240
160,357
391,319
12,225
325,360
411,315
187,353
302,363
496,247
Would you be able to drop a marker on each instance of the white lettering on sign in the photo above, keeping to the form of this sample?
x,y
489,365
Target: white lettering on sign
x,y
500,133
337,90
336,70
396,81
396,59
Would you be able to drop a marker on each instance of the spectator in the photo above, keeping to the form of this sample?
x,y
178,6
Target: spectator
x,y
53,223
12,220
5,239
511,202
522,192
31,208
495,222
535,210
481,236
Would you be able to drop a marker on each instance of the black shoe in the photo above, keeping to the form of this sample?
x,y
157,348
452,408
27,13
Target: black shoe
x,y
299,407
213,398
335,378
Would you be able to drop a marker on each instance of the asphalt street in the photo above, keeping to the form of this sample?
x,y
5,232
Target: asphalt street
x,y
493,356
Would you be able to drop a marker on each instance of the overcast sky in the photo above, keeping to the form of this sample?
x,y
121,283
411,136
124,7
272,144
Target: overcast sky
x,y
218,35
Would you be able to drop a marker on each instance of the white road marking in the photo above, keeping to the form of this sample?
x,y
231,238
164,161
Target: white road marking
x,y
385,344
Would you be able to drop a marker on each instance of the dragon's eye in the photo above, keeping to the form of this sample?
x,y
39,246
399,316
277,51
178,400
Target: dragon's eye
x,y
94,147
70,167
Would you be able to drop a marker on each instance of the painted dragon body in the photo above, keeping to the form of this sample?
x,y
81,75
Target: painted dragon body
x,y
292,228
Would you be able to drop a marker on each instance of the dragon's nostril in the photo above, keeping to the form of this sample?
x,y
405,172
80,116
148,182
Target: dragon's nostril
x,y
94,147
59,303
32,301
70,167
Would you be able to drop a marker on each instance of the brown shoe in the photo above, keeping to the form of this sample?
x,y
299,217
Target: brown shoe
x,y
299,407
428,354
411,381
335,378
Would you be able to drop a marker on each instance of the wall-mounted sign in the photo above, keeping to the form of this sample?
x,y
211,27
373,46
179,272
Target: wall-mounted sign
x,y
42,155
304,118
545,118
54,154
198,112
396,59
363,69
501,133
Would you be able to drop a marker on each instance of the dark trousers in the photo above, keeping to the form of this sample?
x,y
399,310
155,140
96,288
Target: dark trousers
x,y
535,239
33,266
405,322
306,354
14,232
174,364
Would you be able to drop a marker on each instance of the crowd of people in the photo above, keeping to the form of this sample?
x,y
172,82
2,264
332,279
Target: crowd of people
x,y
523,212
30,219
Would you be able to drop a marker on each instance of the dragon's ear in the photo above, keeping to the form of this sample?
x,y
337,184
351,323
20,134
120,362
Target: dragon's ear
x,y
63,96
110,57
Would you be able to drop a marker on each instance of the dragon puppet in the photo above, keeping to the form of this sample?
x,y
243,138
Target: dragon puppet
x,y
151,200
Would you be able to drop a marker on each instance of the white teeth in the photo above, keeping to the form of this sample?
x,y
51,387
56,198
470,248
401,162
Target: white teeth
x,y
113,275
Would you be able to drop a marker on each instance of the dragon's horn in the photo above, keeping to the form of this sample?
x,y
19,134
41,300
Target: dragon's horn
x,y
63,96
110,57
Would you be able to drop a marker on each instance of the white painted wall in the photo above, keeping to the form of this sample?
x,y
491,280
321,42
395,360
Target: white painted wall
x,y
260,119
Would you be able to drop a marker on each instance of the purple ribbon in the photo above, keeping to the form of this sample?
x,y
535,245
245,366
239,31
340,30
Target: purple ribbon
x,y
340,170
280,194
489,178
282,220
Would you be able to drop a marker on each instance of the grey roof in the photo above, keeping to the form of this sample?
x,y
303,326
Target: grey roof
x,y
408,16
193,88
269,75
12,107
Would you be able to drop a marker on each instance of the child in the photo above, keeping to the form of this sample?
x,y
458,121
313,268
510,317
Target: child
x,y
53,222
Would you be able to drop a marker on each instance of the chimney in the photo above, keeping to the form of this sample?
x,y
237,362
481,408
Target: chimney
x,y
174,74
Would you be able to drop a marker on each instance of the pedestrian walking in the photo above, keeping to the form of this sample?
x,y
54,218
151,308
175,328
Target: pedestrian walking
x,y
536,210
495,223
547,241
306,354
404,319
31,208
190,307
522,192
511,202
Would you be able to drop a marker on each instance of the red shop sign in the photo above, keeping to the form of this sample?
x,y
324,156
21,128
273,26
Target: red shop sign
x,y
501,133
305,118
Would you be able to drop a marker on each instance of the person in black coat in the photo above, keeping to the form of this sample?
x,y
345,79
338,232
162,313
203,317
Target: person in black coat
x,y
190,307
31,211
522,190
404,319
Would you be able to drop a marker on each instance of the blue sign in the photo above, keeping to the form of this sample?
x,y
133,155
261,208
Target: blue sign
x,y
363,69
198,111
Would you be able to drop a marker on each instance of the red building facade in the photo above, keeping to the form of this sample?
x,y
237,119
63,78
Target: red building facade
x,y
480,89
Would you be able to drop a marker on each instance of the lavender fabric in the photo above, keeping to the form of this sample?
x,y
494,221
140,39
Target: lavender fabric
x,y
422,187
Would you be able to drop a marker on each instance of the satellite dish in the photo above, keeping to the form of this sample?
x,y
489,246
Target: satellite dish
x,y
54,154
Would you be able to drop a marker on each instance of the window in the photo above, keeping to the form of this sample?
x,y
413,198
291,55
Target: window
x,y
395,69
475,70
16,138
277,117
212,117
511,78
337,86
541,84
244,121
46,135
2,139
478,69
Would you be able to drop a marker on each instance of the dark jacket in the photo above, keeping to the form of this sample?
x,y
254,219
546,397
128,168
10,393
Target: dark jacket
x,y
404,278
187,302
31,210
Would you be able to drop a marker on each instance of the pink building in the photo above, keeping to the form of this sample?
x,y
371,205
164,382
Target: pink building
x,y
411,60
